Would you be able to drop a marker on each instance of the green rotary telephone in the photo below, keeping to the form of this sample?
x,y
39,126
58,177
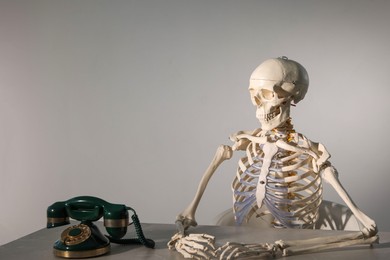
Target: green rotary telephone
x,y
85,239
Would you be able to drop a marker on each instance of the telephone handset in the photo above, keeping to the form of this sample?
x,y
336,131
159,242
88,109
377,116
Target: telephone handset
x,y
85,239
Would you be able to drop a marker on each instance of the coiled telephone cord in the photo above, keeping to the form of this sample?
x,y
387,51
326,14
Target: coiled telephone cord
x,y
138,230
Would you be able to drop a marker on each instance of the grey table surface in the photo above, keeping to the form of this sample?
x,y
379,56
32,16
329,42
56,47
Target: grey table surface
x,y
38,245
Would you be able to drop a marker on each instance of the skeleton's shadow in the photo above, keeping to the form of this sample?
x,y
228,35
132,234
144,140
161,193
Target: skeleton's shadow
x,y
334,216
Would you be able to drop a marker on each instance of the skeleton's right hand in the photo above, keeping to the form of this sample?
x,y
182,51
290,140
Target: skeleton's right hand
x,y
198,246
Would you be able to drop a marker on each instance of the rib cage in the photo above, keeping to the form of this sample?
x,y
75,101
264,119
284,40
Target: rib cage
x,y
293,190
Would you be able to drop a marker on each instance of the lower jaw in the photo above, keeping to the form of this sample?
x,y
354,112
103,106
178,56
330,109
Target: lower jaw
x,y
273,123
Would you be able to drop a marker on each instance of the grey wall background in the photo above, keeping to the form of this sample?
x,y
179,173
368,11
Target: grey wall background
x,y
128,100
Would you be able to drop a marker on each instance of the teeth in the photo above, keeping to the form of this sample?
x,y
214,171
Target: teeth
x,y
270,116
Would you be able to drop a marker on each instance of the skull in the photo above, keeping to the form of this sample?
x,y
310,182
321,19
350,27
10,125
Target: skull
x,y
273,86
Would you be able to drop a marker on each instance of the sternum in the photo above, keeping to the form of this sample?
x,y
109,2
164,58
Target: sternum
x,y
269,149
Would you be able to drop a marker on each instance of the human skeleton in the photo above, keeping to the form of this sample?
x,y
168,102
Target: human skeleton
x,y
281,174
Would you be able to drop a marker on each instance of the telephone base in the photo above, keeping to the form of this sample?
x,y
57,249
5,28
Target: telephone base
x,y
81,241
82,254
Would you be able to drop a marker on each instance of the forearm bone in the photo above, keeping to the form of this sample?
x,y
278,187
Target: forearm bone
x,y
187,217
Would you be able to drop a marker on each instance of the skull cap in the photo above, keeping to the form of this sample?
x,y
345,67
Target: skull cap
x,y
290,74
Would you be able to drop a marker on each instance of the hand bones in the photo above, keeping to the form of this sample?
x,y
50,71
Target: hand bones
x,y
280,164
199,246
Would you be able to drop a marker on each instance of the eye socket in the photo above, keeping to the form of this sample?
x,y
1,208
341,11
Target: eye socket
x,y
267,94
261,95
